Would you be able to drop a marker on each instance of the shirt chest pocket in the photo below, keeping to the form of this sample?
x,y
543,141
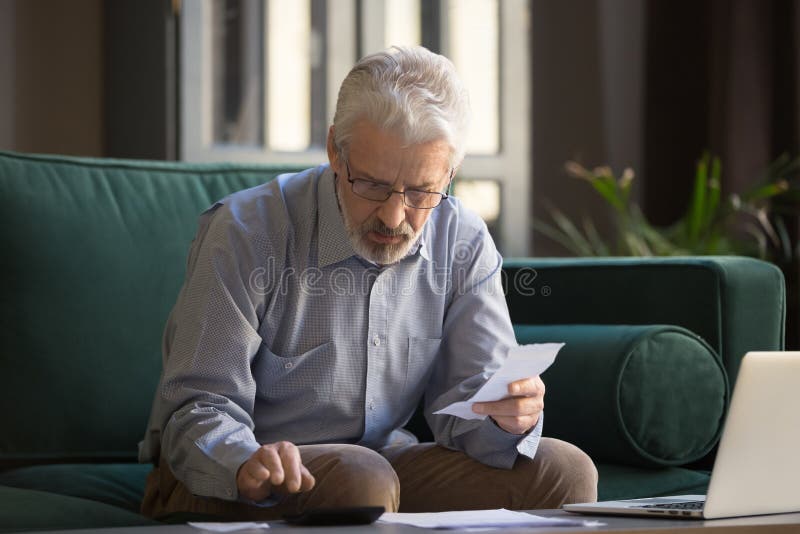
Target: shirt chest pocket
x,y
421,355
303,380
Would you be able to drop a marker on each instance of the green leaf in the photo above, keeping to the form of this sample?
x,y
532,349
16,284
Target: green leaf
x,y
599,246
766,191
758,235
698,205
636,246
571,231
607,187
660,244
783,166
714,192
785,239
564,233
557,236
624,185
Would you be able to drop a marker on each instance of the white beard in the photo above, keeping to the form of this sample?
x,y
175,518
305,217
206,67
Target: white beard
x,y
382,254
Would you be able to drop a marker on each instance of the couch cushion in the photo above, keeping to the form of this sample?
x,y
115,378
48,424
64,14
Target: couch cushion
x,y
120,485
637,395
94,253
625,482
23,510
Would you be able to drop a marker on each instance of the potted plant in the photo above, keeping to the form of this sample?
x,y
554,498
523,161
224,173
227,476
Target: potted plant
x,y
751,223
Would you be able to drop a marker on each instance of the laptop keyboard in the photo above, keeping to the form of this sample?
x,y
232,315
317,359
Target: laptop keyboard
x,y
688,505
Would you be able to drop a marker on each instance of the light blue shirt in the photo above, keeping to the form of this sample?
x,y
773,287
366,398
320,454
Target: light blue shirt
x,y
281,332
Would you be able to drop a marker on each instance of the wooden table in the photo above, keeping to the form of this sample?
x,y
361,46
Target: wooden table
x,y
766,524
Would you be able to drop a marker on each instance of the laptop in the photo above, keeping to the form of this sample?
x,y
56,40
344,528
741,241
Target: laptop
x,y
757,467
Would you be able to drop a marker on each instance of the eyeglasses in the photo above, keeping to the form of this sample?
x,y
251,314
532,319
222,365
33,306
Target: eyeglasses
x,y
413,198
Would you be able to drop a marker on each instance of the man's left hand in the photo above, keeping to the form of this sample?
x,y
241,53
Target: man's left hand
x,y
520,412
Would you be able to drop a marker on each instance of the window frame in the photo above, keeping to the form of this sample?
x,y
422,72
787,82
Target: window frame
x,y
511,166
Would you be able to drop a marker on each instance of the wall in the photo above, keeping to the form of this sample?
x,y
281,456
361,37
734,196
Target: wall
x,y
141,114
51,67
7,65
587,103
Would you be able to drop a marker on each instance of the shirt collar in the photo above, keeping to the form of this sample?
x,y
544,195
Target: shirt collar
x,y
334,244
421,245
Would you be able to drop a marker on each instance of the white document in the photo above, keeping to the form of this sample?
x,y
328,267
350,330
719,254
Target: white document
x,y
477,519
228,527
523,361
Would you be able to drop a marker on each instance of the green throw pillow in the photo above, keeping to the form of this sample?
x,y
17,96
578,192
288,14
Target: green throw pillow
x,y
645,395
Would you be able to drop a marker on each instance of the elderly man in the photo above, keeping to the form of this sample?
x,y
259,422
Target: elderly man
x,y
320,308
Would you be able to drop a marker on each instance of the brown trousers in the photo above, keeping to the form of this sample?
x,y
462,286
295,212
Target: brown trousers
x,y
430,478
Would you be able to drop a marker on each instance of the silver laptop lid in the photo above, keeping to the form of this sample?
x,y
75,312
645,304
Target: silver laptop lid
x,y
757,468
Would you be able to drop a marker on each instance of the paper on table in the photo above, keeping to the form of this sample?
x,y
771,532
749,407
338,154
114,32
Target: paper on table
x,y
477,519
523,361
228,527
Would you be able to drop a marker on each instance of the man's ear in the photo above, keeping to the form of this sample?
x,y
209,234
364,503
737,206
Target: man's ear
x,y
452,180
333,153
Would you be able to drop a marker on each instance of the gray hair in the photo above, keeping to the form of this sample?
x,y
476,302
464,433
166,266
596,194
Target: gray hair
x,y
409,91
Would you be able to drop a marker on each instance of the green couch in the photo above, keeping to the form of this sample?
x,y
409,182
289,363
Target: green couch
x,y
93,255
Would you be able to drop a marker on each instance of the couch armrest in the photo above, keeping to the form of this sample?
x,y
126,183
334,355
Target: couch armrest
x,y
735,304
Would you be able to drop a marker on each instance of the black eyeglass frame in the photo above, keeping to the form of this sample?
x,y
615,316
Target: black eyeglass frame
x,y
390,191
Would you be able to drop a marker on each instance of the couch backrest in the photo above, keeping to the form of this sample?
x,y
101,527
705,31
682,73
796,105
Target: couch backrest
x,y
93,256
736,304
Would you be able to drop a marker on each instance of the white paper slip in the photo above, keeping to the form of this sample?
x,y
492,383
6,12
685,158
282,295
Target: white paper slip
x,y
523,361
477,519
228,527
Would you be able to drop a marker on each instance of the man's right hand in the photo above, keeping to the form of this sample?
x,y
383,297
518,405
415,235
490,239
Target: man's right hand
x,y
275,467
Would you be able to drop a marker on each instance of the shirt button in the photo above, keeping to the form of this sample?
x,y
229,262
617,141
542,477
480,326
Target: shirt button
x,y
376,340
371,405
288,365
229,492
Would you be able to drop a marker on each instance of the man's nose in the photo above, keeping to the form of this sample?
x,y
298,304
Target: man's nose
x,y
393,211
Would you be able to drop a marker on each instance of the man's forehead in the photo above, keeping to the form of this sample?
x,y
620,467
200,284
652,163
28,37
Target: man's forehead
x,y
385,157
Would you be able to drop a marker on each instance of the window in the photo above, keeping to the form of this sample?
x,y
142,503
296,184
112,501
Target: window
x,y
260,80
